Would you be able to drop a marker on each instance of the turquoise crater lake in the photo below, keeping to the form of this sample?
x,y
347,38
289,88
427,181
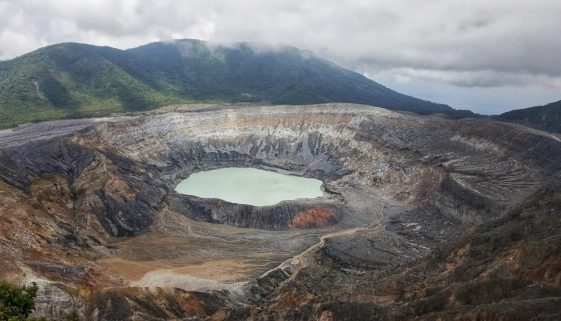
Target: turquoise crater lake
x,y
249,186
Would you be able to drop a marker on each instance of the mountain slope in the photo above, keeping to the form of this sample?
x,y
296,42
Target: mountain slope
x,y
547,117
74,80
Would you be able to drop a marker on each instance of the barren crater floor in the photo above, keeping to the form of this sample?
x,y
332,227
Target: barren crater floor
x,y
420,217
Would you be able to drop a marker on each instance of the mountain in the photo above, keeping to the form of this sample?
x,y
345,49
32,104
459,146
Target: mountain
x,y
78,80
547,117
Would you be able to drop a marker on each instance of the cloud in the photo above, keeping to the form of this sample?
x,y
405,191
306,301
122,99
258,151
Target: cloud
x,y
473,78
472,44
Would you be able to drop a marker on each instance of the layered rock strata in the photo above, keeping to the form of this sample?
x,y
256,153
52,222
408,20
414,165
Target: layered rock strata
x,y
415,206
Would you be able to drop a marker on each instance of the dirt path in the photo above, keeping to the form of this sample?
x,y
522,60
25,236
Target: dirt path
x,y
300,260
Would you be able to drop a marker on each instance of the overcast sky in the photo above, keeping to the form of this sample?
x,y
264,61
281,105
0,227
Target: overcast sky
x,y
487,56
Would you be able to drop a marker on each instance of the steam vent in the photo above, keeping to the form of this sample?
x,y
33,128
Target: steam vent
x,y
407,216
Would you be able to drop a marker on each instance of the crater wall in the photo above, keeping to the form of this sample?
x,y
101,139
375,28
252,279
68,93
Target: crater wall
x,y
398,183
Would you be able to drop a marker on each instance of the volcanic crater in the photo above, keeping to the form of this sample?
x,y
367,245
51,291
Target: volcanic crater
x,y
91,213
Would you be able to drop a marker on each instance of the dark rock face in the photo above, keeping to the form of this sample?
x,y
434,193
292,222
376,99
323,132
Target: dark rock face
x,y
426,218
274,217
74,163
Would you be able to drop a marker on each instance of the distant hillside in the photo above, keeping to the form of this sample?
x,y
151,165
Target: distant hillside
x,y
547,117
77,80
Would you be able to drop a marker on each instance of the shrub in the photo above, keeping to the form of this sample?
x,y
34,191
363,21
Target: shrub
x,y
16,303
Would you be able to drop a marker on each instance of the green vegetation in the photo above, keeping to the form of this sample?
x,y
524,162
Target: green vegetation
x,y
76,80
17,303
547,117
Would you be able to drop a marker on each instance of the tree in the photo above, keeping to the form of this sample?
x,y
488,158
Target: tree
x,y
16,302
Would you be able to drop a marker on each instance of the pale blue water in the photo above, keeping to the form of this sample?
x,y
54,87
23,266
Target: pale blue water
x,y
249,186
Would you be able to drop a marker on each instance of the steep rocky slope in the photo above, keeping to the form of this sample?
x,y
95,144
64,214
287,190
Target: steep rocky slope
x,y
432,218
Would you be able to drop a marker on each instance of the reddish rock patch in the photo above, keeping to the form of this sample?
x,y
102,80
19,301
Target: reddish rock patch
x,y
326,316
314,217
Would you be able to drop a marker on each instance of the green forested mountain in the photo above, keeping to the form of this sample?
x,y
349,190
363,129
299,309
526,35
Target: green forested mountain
x,y
76,80
547,117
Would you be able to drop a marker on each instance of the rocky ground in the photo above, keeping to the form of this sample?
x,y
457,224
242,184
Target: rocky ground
x,y
424,218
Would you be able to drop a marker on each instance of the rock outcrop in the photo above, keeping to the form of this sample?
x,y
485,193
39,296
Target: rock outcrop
x,y
426,217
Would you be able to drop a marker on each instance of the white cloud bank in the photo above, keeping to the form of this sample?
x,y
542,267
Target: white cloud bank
x,y
466,45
